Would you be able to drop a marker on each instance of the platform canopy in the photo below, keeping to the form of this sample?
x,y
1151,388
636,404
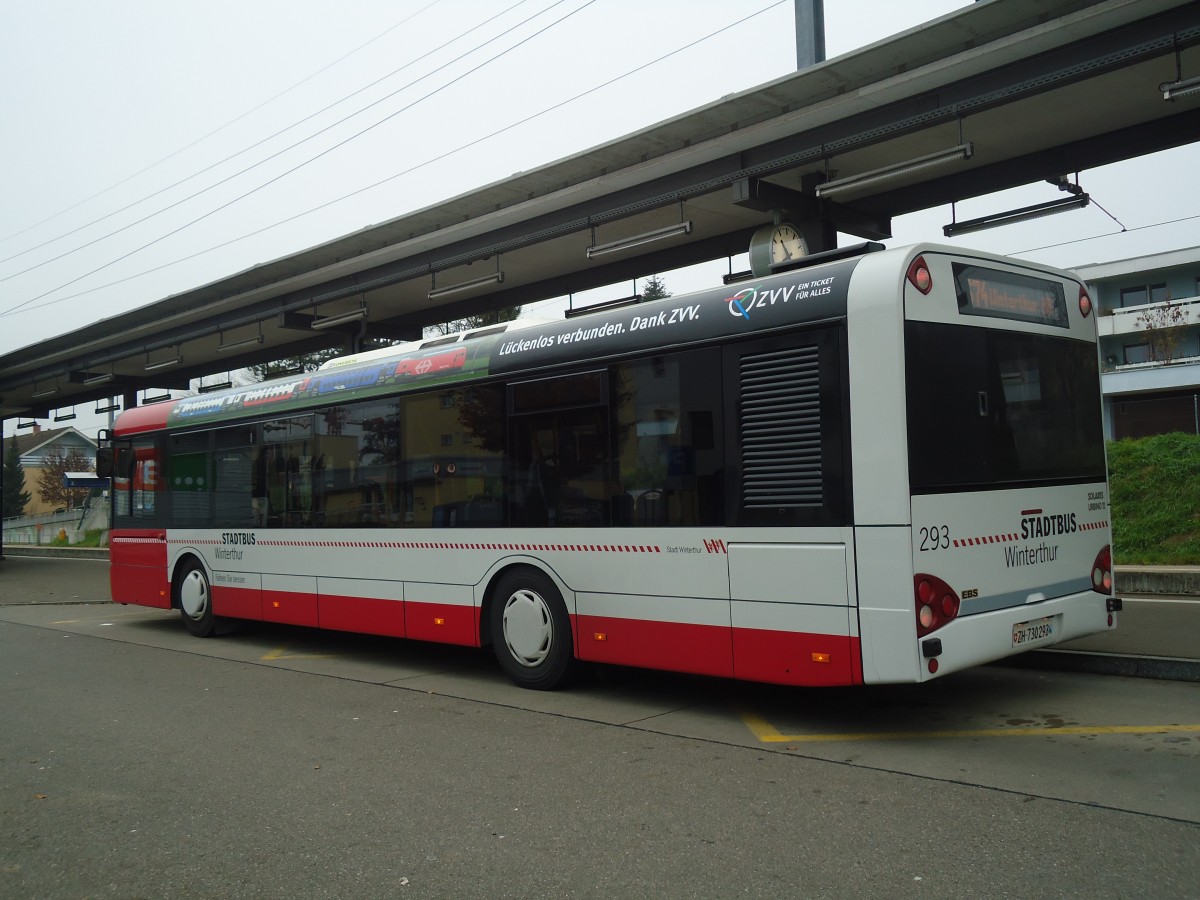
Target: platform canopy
x,y
997,95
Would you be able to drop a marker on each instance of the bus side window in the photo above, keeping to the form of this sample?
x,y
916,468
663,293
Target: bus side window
x,y
560,456
667,415
145,482
136,483
189,479
122,482
283,473
233,476
453,466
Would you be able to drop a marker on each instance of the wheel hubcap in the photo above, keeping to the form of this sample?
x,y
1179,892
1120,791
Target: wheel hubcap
x,y
528,628
193,595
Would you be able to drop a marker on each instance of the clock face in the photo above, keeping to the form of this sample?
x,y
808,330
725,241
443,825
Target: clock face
x,y
775,245
786,244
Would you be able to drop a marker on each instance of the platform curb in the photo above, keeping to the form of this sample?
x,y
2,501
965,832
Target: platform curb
x,y
1164,668
58,552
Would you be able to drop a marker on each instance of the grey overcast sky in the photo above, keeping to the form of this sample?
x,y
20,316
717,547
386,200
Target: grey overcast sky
x,y
151,147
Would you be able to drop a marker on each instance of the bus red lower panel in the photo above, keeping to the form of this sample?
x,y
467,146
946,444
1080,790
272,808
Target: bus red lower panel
x,y
141,585
797,658
237,603
289,608
138,570
446,623
365,615
677,647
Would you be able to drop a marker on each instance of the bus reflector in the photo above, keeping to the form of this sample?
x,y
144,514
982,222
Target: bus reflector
x,y
820,657
1085,302
919,277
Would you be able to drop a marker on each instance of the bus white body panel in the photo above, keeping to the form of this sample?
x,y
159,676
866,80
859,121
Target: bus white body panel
x,y
816,563
1019,562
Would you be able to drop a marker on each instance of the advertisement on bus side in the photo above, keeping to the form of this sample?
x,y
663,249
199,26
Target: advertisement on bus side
x,y
754,306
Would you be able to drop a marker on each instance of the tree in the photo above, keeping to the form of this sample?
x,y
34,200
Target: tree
x,y
1164,323
16,498
305,362
50,480
655,289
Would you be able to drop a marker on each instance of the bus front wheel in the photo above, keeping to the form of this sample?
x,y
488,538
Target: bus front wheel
x,y
531,631
194,596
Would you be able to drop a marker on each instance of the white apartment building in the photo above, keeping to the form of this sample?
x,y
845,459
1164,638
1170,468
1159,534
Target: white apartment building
x,y
1149,322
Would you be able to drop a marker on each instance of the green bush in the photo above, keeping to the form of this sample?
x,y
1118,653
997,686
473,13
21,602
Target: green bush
x,y
1154,486
91,538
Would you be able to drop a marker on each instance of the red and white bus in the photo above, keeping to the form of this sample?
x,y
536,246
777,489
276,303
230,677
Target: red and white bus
x,y
878,466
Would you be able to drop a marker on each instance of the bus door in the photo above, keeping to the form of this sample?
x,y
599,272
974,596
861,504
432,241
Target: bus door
x,y
138,545
790,588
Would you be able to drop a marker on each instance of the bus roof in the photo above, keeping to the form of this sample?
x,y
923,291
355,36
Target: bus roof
x,y
814,290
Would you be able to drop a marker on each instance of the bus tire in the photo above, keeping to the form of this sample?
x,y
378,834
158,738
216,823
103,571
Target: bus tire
x,y
531,631
193,594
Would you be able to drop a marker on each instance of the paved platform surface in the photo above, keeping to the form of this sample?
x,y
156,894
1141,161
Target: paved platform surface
x,y
1158,634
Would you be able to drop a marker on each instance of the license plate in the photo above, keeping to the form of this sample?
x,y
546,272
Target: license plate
x,y
1025,633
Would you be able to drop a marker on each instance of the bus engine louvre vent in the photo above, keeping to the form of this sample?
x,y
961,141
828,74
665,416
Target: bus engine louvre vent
x,y
781,429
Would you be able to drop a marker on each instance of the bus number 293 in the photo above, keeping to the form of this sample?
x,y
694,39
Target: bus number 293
x,y
935,537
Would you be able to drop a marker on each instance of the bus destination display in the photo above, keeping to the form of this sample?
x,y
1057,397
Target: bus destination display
x,y
1008,295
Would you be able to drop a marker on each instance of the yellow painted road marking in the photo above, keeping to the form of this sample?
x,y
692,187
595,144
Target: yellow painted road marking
x,y
769,734
282,653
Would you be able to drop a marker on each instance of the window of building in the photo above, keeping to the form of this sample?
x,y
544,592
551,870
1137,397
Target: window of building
x,y
1142,294
1136,353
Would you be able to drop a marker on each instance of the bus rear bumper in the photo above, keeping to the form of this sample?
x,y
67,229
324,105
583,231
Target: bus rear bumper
x,y
986,637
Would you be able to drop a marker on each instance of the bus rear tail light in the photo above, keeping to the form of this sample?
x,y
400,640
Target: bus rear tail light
x,y
919,277
1102,579
937,603
1085,302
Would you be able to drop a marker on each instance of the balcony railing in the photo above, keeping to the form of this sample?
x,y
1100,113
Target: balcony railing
x,y
1150,364
1126,319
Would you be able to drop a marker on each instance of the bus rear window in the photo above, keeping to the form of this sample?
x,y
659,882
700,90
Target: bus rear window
x,y
992,408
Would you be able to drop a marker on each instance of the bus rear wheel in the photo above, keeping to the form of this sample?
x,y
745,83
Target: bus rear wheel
x,y
193,594
531,631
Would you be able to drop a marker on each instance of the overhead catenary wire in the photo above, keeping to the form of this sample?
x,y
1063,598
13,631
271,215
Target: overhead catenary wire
x,y
295,168
24,307
202,138
1096,237
284,150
